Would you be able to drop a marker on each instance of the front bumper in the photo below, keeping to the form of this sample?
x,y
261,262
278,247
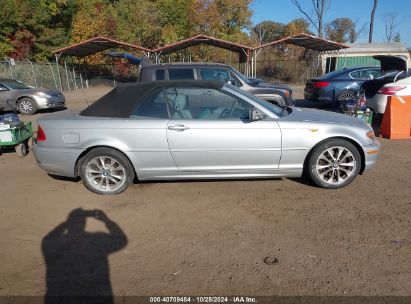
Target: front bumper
x,y
58,161
371,153
49,103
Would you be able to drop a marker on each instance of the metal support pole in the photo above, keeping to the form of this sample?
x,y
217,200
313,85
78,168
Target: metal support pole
x,y
67,77
74,78
58,70
11,71
52,74
34,74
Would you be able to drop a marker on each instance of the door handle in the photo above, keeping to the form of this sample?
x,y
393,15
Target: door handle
x,y
178,128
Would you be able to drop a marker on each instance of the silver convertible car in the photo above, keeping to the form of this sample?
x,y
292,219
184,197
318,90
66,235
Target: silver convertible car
x,y
169,130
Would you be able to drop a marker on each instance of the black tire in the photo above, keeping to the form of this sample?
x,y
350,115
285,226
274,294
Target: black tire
x,y
341,174
92,180
21,149
27,106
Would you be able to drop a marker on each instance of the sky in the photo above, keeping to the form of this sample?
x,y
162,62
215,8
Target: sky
x,y
284,11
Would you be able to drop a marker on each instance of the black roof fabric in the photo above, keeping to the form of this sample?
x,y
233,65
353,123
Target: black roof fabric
x,y
121,100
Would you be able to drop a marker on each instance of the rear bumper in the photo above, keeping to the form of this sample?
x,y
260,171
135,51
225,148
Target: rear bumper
x,y
318,96
58,161
371,153
378,103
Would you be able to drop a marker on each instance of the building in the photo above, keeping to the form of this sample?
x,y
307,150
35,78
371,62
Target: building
x,y
360,54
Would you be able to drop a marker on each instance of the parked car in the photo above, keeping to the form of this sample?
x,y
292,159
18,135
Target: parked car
x,y
379,101
275,93
169,130
345,84
28,99
339,85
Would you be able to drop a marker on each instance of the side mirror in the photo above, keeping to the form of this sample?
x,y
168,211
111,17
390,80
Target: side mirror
x,y
3,89
255,115
230,81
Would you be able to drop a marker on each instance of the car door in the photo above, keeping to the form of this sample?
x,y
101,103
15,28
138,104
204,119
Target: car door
x,y
5,97
147,137
209,133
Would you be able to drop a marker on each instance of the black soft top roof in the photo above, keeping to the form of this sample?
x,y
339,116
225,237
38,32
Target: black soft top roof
x,y
121,100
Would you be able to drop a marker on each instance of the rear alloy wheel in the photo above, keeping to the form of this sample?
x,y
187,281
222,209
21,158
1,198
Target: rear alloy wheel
x,y
346,95
27,106
106,171
334,164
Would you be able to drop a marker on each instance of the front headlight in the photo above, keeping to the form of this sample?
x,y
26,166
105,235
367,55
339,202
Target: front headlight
x,y
42,94
371,135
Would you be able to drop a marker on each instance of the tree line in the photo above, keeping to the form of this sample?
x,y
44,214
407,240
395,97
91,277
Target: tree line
x,y
32,29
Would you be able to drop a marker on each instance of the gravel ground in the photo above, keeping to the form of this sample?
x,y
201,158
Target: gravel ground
x,y
265,237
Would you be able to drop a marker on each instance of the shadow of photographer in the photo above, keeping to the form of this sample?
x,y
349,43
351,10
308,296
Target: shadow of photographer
x,y
77,261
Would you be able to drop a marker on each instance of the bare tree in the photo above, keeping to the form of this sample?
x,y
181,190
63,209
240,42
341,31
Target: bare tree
x,y
360,29
391,23
320,7
374,8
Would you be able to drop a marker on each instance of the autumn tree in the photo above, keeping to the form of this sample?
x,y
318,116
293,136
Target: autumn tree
x,y
224,19
138,22
174,17
298,26
31,29
268,31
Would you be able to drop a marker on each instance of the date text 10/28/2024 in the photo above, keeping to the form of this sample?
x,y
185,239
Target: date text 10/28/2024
x,y
199,299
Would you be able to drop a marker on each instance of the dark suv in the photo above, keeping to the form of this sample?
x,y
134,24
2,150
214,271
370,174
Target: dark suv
x,y
277,94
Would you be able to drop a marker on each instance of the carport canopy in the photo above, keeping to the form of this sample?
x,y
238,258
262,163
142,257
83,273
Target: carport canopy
x,y
95,45
242,50
307,41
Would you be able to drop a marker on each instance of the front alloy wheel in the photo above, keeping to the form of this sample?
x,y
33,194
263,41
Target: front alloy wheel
x,y
334,164
27,106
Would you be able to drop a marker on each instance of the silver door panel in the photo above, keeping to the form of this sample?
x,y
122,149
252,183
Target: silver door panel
x,y
222,145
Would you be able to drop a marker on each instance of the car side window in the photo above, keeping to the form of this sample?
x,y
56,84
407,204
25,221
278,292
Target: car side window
x,y
355,75
160,75
364,74
153,105
214,74
176,74
205,104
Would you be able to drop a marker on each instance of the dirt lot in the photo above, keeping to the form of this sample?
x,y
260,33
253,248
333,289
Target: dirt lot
x,y
207,238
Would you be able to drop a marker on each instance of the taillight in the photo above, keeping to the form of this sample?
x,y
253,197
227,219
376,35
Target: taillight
x,y
321,84
390,90
41,136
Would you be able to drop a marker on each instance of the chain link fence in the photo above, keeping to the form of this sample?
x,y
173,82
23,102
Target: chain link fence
x,y
71,77
67,77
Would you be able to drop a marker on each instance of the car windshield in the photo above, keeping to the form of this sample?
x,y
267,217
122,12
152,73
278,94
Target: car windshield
x,y
242,77
14,84
269,106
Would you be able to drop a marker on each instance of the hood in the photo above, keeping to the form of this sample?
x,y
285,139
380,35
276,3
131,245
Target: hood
x,y
390,63
274,86
320,116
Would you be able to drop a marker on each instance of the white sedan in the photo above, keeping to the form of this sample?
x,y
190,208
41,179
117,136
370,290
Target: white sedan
x,y
399,88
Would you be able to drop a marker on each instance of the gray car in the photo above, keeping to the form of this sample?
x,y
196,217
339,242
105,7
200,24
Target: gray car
x,y
279,94
169,130
28,100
